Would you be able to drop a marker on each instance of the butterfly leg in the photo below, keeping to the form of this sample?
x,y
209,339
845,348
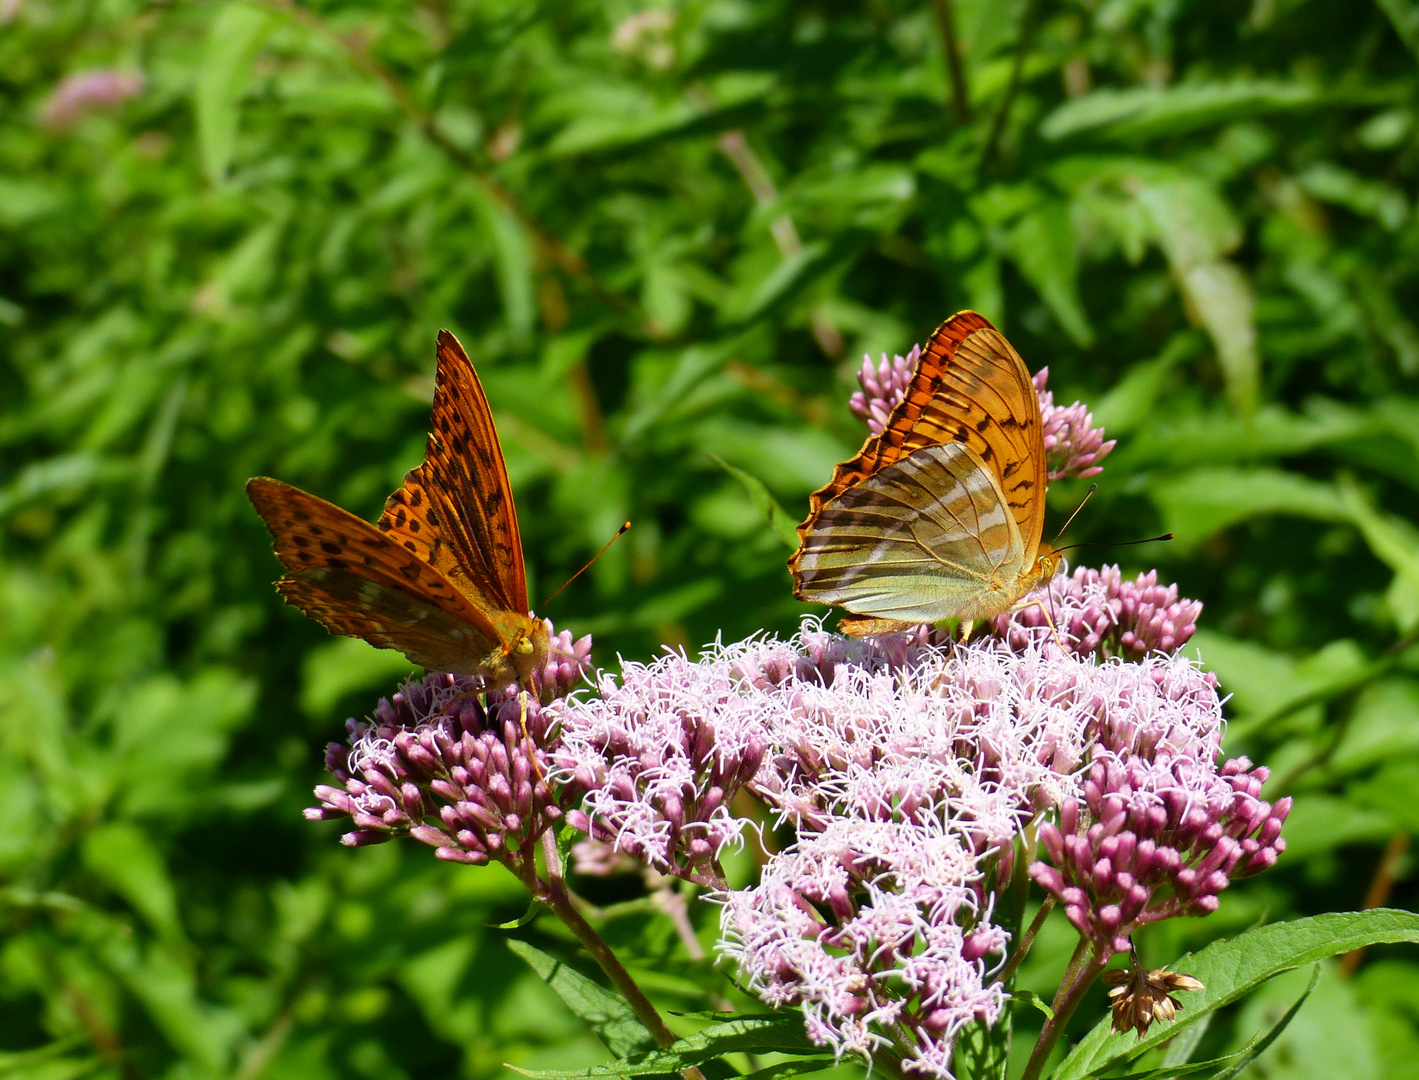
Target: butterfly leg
x,y
1049,620
527,737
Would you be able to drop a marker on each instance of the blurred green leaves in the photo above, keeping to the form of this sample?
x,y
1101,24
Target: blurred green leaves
x,y
222,80
666,237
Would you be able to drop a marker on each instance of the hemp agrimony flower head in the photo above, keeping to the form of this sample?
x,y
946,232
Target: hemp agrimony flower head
x,y
872,928
908,772
883,386
1073,445
655,759
1100,612
438,764
1154,839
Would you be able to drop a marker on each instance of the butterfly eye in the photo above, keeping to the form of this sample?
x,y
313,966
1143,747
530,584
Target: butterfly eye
x,y
523,647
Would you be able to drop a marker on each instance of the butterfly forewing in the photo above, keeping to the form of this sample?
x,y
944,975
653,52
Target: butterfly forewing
x,y
312,534
456,509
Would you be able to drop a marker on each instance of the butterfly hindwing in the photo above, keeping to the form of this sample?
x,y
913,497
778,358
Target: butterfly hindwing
x,y
387,618
312,534
928,533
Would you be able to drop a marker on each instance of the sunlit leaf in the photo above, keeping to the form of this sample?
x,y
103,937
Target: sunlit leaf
x,y
235,35
1229,969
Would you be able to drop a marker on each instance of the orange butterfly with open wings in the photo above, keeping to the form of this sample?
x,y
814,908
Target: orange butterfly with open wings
x,y
441,577
941,515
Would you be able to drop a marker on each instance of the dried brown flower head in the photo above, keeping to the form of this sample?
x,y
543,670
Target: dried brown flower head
x,y
1139,997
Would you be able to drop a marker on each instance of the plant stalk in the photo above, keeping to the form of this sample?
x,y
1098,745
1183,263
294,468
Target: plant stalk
x,y
1084,967
555,896
951,49
1002,114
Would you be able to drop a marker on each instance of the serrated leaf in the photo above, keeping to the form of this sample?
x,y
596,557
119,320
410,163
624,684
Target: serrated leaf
x,y
1230,969
605,1012
1255,1050
778,1034
777,517
232,42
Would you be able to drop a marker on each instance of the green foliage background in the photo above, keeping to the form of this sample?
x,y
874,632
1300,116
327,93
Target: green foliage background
x,y
660,236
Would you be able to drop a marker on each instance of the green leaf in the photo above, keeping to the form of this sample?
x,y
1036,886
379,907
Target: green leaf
x,y
1230,969
1043,247
1132,403
783,526
1319,823
1395,542
796,1067
1180,1050
1144,111
768,1034
605,1012
1195,228
337,668
1029,997
786,277
124,857
533,910
1222,297
1257,1048
1404,15
512,263
232,43
1197,504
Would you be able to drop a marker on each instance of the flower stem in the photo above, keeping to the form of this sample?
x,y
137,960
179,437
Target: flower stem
x,y
555,896
1012,965
1084,967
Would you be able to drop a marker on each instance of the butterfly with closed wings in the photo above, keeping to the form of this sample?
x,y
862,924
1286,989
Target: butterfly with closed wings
x,y
441,576
941,515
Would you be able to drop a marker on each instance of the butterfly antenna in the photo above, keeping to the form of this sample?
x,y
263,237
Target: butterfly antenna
x,y
1116,543
619,533
1088,495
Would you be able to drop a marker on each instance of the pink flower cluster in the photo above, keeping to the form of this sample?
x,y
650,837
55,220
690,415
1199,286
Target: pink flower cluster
x,y
1151,840
1103,613
908,771
655,758
872,928
884,385
1073,445
438,763
85,91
